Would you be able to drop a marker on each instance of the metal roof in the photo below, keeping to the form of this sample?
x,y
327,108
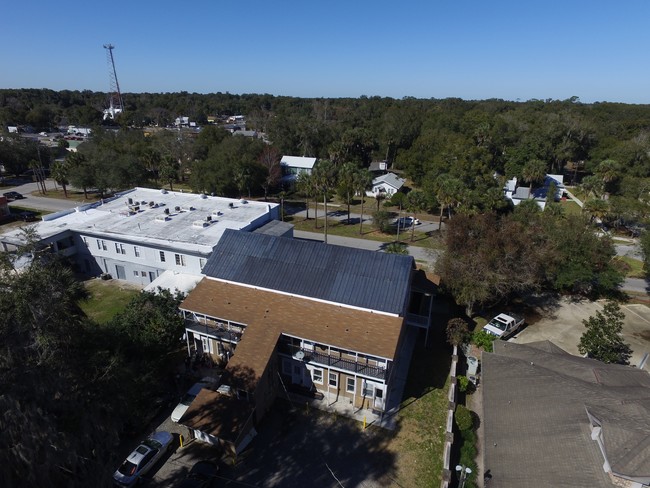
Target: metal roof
x,y
355,277
390,179
298,162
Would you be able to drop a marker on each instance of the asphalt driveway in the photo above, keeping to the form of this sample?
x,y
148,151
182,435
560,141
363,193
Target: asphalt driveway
x,y
562,325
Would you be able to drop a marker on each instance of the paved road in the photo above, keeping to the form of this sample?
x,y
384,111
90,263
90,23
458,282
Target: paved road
x,y
420,254
29,190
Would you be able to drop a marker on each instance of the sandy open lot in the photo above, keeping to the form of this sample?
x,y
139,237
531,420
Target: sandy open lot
x,y
561,323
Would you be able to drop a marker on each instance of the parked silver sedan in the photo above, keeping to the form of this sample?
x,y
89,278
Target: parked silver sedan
x,y
143,458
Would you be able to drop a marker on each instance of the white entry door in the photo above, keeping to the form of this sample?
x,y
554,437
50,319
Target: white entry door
x,y
379,400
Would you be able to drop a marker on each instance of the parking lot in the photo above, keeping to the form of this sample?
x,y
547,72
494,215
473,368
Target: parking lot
x,y
561,323
295,446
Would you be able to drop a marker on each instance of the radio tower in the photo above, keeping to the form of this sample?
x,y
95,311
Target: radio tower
x,y
115,105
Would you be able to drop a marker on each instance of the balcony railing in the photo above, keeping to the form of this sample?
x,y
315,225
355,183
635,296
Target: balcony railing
x,y
329,360
222,332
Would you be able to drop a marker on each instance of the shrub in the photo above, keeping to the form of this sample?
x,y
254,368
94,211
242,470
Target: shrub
x,y
463,418
457,332
463,383
483,339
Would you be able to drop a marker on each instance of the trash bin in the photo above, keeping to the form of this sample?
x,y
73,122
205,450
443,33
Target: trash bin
x,y
472,366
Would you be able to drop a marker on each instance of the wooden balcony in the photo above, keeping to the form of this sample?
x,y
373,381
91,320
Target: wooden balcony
x,y
222,332
328,360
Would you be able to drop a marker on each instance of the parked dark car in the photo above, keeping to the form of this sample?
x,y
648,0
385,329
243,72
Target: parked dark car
x,y
13,195
27,216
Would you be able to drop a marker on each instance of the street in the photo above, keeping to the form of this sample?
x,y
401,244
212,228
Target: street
x,y
33,201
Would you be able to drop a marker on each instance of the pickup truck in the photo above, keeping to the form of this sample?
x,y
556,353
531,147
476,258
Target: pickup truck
x,y
504,325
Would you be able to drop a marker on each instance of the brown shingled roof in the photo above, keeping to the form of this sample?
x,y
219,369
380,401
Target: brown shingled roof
x,y
269,314
220,415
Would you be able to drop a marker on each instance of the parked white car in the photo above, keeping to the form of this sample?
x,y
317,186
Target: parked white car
x,y
189,397
143,458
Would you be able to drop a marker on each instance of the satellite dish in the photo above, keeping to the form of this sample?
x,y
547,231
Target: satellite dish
x,y
300,355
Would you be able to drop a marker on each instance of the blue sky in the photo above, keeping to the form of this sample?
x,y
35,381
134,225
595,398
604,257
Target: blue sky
x,y
596,50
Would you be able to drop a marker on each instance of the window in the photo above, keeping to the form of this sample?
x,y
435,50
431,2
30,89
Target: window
x,y
180,259
201,263
317,376
104,246
119,248
99,244
135,273
136,251
368,389
143,273
350,385
162,256
333,379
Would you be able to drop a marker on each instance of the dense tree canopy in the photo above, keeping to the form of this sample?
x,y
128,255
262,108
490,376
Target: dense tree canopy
x,y
489,258
71,390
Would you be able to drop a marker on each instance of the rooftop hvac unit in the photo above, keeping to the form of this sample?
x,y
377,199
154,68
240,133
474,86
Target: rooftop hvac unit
x,y
218,213
200,223
166,211
161,218
208,218
130,200
177,209
203,196
244,202
231,205
152,204
163,191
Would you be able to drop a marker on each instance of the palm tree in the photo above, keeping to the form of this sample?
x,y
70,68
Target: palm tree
x,y
362,180
533,171
609,171
447,190
60,170
324,177
305,186
346,183
596,209
415,202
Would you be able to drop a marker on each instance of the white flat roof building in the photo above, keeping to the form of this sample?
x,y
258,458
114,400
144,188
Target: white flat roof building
x,y
141,233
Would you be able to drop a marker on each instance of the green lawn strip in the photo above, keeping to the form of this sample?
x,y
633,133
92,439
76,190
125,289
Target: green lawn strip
x,y
570,207
338,228
106,300
633,268
423,416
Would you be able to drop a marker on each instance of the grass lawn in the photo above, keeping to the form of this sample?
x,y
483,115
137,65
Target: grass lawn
x,y
419,441
337,228
633,268
571,208
107,298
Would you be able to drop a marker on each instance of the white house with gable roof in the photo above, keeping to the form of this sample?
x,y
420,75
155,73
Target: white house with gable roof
x,y
292,166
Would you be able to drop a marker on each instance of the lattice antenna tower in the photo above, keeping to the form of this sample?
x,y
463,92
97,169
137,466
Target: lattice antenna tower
x,y
115,105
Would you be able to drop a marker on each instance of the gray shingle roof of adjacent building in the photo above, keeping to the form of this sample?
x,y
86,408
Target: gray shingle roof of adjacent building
x,y
541,407
356,277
